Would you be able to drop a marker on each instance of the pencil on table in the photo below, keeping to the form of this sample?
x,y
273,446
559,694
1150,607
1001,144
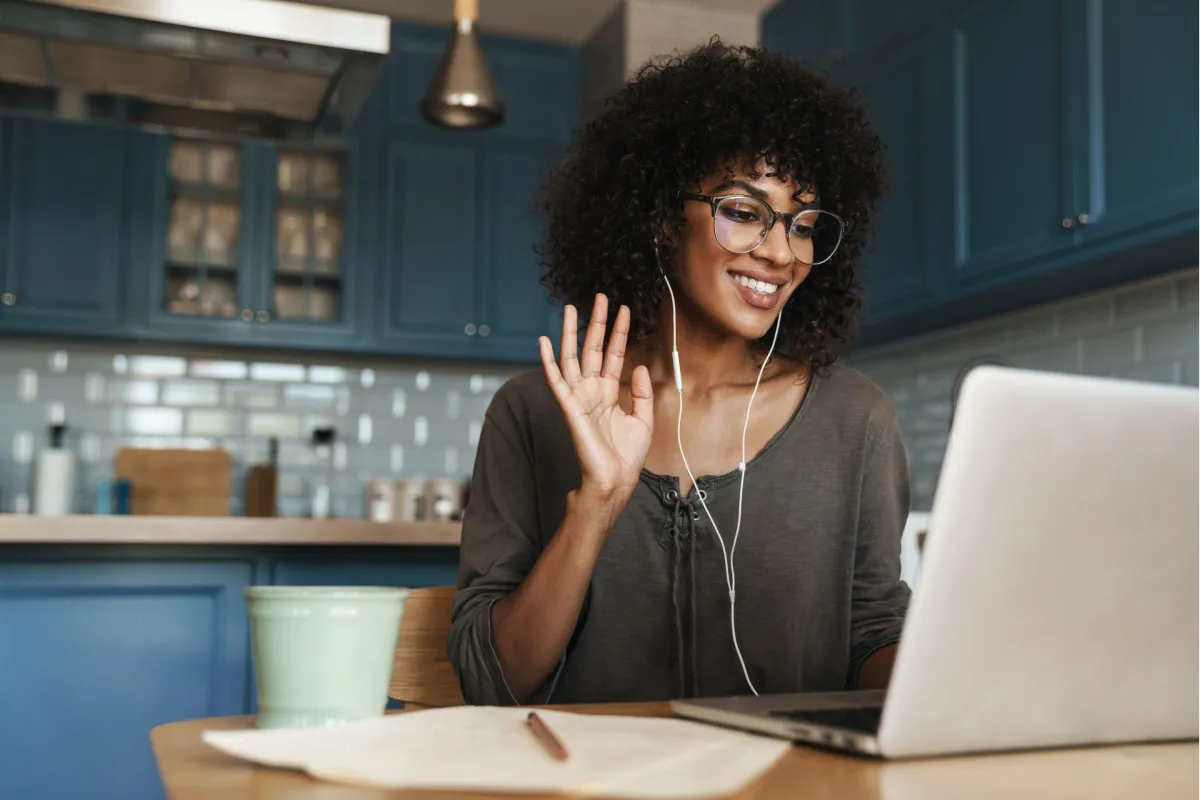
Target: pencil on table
x,y
551,743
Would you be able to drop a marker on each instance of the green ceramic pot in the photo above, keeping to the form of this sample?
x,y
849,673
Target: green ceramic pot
x,y
322,654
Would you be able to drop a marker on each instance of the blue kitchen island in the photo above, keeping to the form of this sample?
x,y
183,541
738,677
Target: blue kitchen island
x,y
112,625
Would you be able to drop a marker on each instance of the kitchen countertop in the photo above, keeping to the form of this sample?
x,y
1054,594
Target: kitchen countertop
x,y
89,529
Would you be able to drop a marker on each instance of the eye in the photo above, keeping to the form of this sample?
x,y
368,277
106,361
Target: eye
x,y
741,211
808,224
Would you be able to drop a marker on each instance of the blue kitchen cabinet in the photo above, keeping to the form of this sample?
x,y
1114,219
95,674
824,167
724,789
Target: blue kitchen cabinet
x,y
835,37
516,306
101,643
1135,83
900,266
806,29
1037,150
1014,191
63,244
204,259
460,274
223,266
430,287
97,653
313,202
184,239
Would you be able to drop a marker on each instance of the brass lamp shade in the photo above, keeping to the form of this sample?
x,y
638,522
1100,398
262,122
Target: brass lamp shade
x,y
463,93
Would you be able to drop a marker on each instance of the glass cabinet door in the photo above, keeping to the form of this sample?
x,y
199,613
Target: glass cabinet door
x,y
308,236
205,223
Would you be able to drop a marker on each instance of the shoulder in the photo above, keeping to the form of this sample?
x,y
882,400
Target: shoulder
x,y
524,409
521,394
856,400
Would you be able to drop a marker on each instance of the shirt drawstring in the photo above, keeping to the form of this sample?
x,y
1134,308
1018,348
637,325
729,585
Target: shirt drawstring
x,y
682,522
676,557
692,591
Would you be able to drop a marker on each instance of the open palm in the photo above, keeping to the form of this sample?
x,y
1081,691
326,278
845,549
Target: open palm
x,y
611,444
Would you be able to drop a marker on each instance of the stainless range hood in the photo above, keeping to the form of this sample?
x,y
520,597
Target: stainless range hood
x,y
262,68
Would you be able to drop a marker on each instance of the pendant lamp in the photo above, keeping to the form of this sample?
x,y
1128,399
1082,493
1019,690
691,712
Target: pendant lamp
x,y
463,93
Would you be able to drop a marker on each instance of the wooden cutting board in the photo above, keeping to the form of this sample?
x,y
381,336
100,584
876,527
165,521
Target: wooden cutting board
x,y
186,483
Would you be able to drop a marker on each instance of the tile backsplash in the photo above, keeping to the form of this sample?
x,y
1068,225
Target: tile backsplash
x,y
1145,331
391,418
408,419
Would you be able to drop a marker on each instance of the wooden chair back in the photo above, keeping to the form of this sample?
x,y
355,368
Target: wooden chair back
x,y
421,672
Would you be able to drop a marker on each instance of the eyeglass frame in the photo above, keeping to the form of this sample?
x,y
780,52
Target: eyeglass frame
x,y
714,200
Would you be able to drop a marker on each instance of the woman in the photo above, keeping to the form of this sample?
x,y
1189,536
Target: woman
x,y
719,203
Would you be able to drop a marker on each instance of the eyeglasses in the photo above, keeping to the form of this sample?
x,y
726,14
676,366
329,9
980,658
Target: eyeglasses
x,y
741,223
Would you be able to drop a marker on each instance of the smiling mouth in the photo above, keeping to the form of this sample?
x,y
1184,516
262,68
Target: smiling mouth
x,y
762,287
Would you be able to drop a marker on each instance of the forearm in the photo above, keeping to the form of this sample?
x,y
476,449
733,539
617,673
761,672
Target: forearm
x,y
876,670
532,626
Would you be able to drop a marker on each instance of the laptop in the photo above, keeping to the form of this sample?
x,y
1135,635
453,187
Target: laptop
x,y
1057,604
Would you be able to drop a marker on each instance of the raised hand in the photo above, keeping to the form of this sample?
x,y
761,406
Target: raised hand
x,y
611,444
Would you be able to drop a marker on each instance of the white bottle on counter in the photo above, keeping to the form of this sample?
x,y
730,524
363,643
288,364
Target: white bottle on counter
x,y
54,479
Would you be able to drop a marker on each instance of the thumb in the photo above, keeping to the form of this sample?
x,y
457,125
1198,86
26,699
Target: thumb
x,y
643,396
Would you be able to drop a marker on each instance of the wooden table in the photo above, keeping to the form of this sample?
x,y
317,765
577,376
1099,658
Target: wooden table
x,y
191,769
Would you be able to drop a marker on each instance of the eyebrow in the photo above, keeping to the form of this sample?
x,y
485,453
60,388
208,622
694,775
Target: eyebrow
x,y
754,191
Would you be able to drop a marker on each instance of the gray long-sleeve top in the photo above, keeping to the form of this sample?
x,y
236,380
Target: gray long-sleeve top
x,y
817,560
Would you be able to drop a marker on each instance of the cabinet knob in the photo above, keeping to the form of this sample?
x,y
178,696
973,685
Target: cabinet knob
x,y
263,315
1068,223
469,329
1084,219
8,299
485,330
247,315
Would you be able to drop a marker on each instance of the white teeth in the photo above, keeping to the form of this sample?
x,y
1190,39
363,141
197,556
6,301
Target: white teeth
x,y
758,286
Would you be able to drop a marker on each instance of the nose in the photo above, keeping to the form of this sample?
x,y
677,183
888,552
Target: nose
x,y
775,248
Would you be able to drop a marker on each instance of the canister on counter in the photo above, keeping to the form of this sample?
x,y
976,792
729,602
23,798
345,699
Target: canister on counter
x,y
443,499
381,500
410,500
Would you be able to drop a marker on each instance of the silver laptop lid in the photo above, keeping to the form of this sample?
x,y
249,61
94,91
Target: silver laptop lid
x,y
1058,595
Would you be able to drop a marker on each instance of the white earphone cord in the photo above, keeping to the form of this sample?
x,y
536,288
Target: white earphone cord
x,y
726,557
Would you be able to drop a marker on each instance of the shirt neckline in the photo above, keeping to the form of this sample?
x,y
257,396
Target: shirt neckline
x,y
708,482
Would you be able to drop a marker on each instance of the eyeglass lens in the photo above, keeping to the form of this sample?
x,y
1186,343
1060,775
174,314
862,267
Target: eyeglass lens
x,y
740,225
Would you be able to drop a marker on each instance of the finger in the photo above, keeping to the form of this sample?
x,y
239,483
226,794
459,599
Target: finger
x,y
569,346
593,342
643,396
614,358
554,378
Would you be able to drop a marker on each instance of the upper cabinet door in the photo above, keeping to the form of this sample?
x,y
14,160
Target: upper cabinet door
x,y
64,192
517,308
1012,176
306,283
208,251
1137,147
910,226
429,257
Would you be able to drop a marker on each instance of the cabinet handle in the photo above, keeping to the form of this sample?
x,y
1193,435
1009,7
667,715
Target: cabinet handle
x,y
1084,219
469,329
8,298
263,315
247,315
1068,223
485,330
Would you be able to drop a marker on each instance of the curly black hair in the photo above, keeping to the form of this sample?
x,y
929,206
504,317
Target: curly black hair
x,y
678,121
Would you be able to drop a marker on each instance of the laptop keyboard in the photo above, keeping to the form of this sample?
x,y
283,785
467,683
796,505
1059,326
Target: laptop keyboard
x,y
865,720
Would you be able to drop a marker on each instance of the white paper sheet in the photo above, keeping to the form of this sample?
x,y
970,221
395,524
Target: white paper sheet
x,y
487,748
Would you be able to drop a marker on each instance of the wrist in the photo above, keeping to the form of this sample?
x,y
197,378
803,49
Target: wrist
x,y
596,508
